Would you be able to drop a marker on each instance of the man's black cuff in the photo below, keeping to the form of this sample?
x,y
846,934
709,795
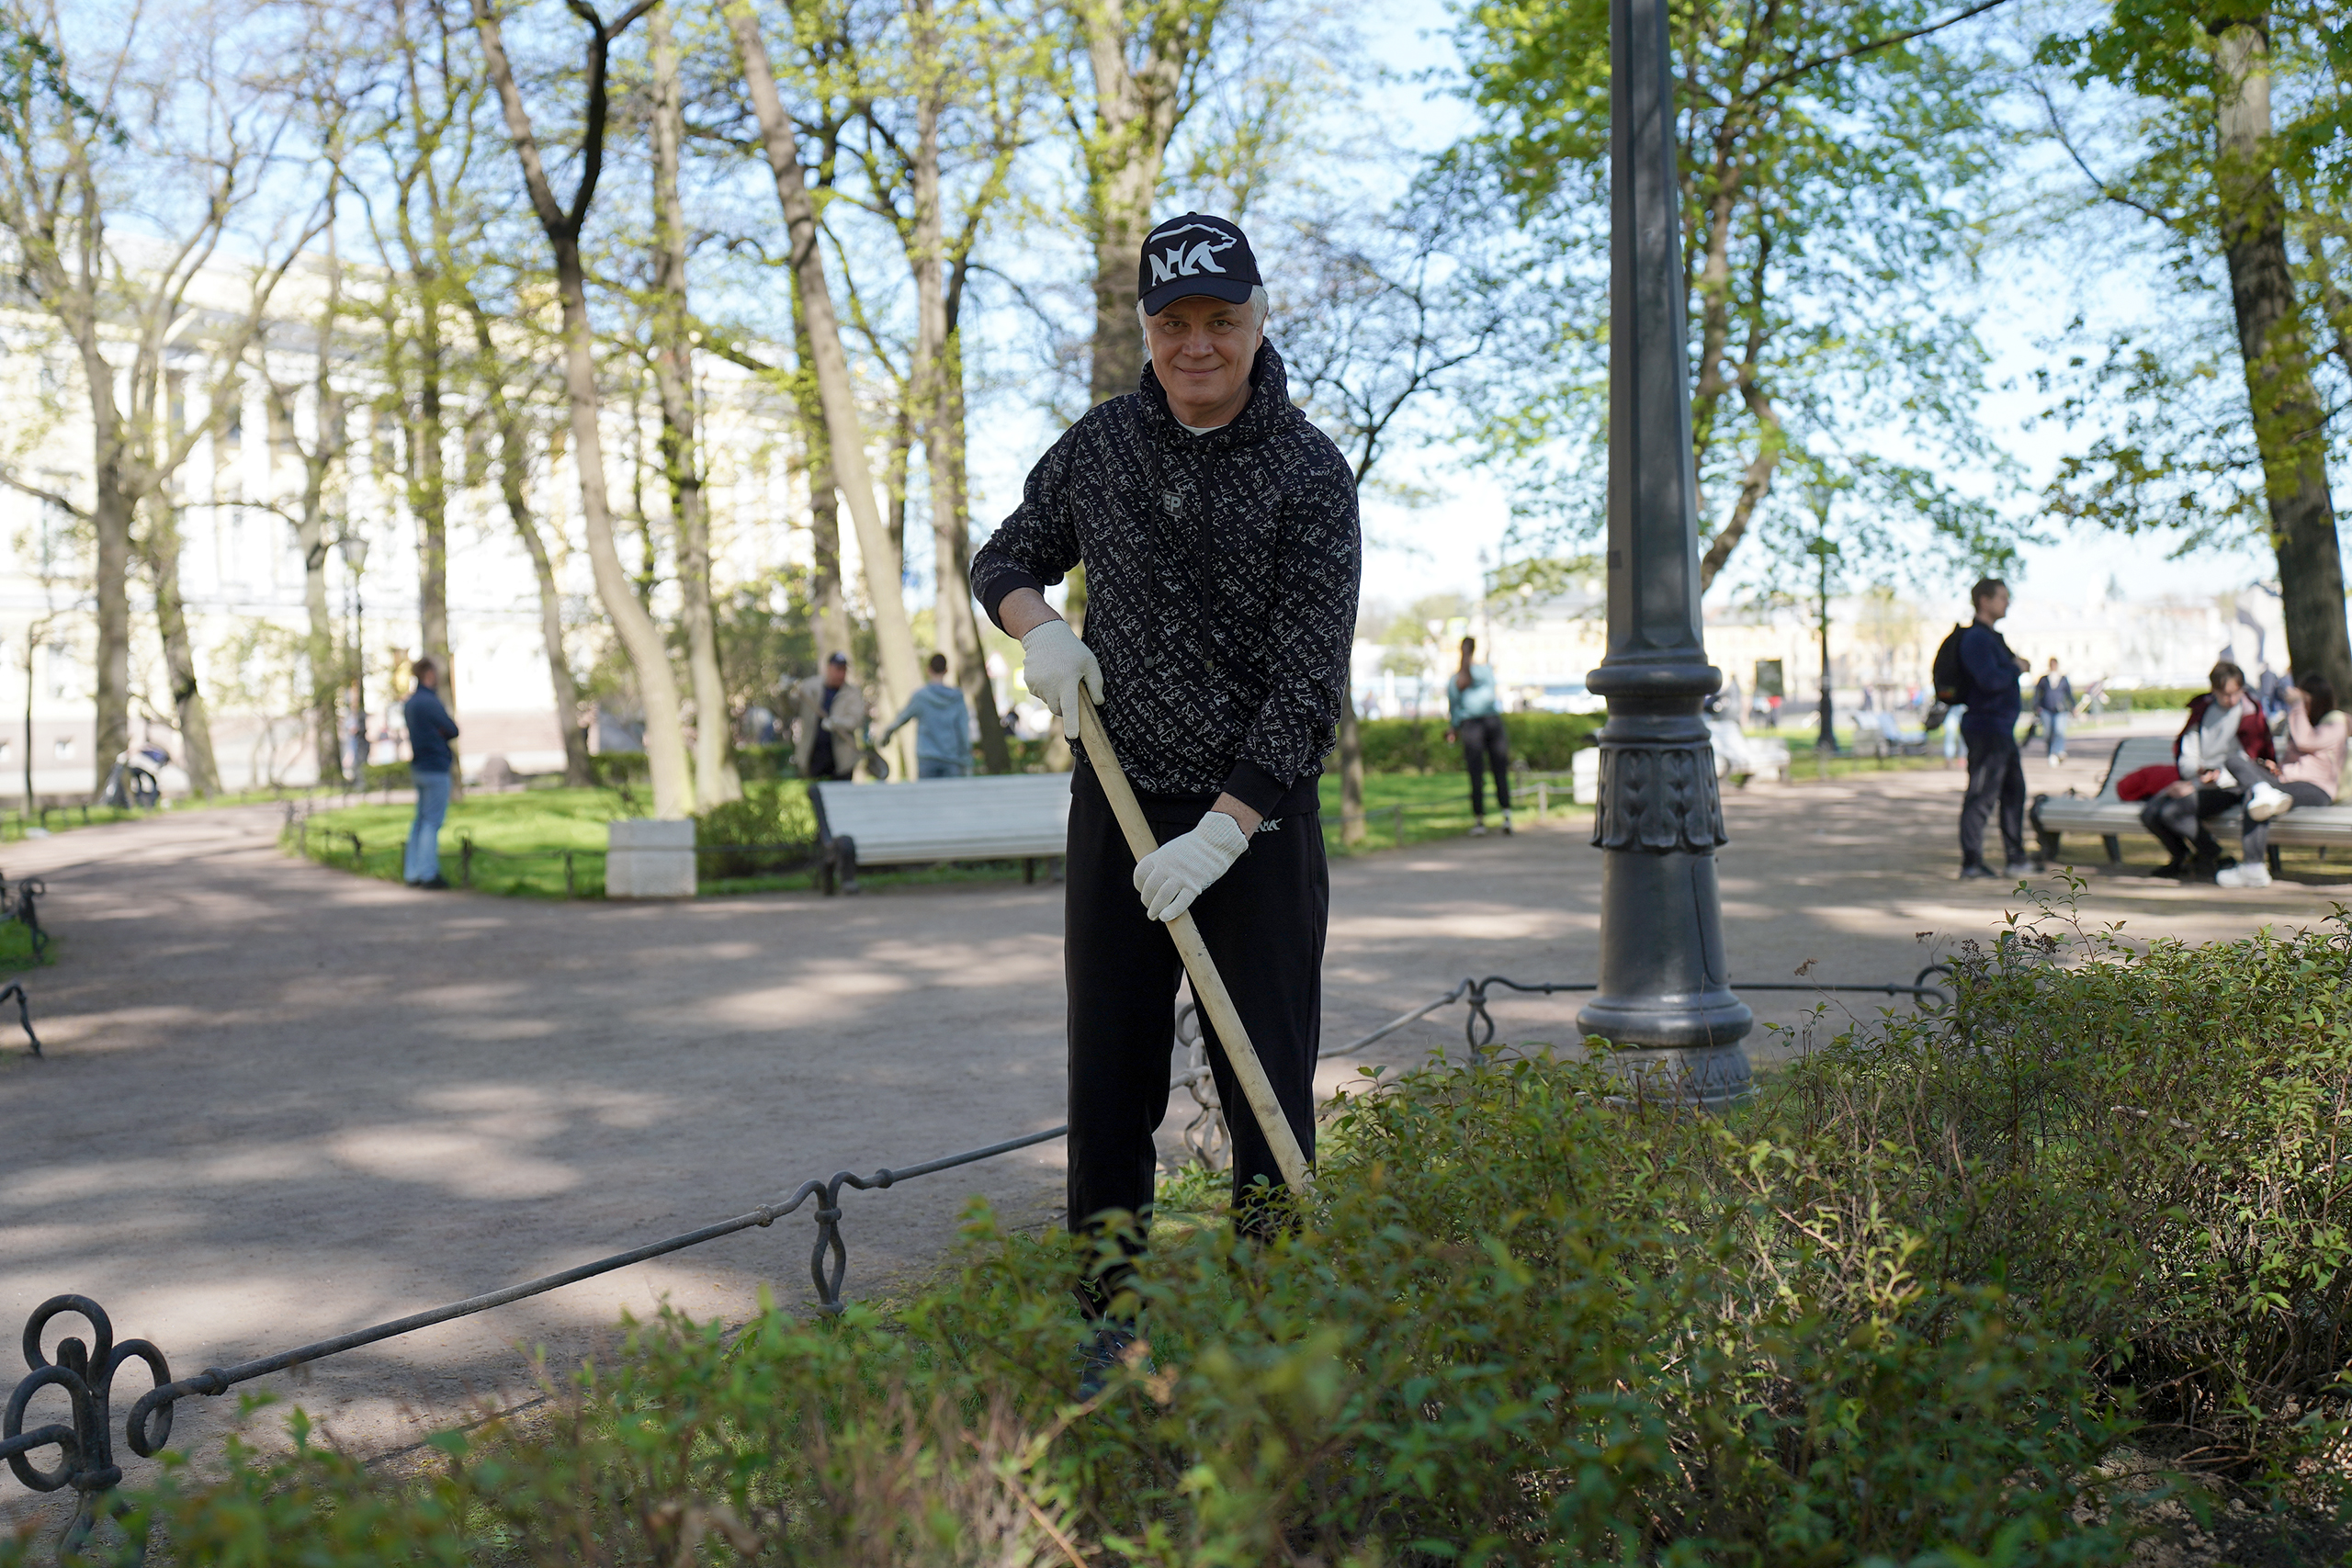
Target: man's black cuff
x,y
1012,579
1255,788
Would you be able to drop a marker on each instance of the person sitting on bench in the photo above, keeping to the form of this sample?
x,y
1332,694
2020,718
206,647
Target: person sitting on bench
x,y
2309,773
2225,759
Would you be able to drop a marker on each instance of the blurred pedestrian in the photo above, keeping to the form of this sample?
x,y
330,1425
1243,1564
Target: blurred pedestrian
x,y
2054,704
942,727
833,713
1474,717
430,730
1988,689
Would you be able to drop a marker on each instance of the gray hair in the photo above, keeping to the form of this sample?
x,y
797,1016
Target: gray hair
x,y
1261,305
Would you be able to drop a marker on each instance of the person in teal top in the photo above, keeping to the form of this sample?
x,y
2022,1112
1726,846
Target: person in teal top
x,y
942,727
1474,717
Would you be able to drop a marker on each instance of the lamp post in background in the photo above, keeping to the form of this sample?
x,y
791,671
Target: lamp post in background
x,y
1824,550
1664,997
355,559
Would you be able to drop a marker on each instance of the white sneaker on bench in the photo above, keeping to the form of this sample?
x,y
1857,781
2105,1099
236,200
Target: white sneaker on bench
x,y
2248,874
2268,801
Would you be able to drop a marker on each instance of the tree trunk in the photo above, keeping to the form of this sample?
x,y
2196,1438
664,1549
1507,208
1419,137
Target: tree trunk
x,y
716,779
830,610
578,771
110,520
951,530
161,552
319,644
429,500
665,739
513,488
1135,113
666,744
937,383
1351,827
780,140
2289,424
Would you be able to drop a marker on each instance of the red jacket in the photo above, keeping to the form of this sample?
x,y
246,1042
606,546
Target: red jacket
x,y
2253,731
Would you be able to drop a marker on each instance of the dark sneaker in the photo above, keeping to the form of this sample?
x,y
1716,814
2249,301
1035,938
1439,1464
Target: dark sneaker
x,y
1106,1348
1974,870
435,881
2176,870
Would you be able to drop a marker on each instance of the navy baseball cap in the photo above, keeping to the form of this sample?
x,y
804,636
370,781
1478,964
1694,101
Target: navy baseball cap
x,y
1195,254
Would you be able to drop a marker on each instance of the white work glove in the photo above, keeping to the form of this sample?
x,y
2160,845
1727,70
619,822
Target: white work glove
x,y
1180,870
1054,664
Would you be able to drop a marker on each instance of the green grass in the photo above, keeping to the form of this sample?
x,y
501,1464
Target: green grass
x,y
1436,806
17,947
520,838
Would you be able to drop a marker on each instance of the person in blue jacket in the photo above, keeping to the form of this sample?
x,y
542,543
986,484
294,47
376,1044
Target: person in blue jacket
x,y
1995,768
942,727
1474,717
430,730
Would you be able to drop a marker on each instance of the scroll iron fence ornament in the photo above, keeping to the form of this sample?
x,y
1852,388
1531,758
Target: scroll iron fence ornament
x,y
87,1372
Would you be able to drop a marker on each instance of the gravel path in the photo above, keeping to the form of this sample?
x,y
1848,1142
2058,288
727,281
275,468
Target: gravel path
x,y
281,1103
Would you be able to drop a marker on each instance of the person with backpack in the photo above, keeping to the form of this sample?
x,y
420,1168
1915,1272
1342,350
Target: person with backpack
x,y
1975,667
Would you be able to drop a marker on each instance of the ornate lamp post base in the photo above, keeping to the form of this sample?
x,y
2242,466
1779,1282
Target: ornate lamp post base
x,y
1665,998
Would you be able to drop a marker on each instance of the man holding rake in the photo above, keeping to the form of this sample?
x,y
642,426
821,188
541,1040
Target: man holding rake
x,y
1218,531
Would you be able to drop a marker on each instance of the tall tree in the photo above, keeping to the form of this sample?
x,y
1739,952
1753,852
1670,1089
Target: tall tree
x,y
1377,328
971,65
665,746
81,142
681,461
1826,149
780,141
321,404
2211,175
715,776
1144,60
508,420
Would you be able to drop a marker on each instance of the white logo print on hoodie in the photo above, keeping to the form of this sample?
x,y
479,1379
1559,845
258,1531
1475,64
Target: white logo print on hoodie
x,y
1179,262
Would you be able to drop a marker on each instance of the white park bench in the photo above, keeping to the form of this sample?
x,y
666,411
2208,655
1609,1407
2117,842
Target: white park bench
x,y
1023,816
2326,826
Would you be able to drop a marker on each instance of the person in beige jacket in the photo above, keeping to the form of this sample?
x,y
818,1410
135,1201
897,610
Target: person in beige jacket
x,y
833,716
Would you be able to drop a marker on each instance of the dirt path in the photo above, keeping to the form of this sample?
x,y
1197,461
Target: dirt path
x,y
282,1102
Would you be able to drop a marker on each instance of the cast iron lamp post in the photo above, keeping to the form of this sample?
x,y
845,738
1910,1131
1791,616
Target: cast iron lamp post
x,y
355,558
1663,995
1824,552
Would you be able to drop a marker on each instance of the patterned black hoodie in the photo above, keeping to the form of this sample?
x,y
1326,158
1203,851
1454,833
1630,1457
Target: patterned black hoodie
x,y
1221,616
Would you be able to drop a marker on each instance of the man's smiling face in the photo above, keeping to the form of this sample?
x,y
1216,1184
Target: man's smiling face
x,y
1202,350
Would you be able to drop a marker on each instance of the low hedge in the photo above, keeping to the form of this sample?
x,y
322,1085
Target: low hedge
x,y
1951,1289
1545,740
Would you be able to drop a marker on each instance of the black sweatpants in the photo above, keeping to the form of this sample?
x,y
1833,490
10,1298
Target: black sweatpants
x,y
1264,922
1996,775
1485,744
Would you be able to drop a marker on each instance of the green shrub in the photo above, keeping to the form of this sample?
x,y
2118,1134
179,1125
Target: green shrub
x,y
771,828
2149,1144
1904,1307
2143,699
1545,740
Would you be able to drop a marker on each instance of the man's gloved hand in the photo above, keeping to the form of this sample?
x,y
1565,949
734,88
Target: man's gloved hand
x,y
1054,664
1180,870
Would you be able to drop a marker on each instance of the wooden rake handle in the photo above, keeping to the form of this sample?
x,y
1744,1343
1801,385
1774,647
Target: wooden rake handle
x,y
1208,987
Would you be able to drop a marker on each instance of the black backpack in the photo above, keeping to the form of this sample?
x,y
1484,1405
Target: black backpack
x,y
1949,675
